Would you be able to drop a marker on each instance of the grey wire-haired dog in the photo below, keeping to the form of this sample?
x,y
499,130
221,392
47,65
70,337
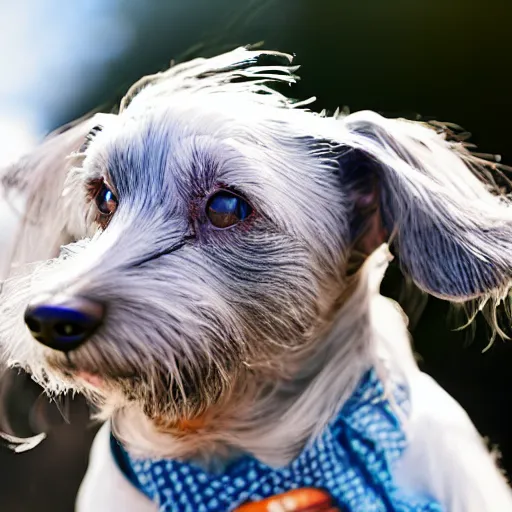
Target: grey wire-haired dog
x,y
194,264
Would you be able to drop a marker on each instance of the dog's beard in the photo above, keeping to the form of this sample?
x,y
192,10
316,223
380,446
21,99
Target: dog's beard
x,y
161,390
115,368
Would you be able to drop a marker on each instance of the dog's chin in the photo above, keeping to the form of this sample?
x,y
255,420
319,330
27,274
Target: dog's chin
x,y
112,386
59,368
103,386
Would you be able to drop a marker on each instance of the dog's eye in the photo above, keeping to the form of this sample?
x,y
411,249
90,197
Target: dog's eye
x,y
106,201
225,209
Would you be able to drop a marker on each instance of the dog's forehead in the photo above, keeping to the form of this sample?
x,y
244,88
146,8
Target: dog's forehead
x,y
193,146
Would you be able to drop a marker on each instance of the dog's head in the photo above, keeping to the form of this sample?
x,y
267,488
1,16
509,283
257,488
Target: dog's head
x,y
211,224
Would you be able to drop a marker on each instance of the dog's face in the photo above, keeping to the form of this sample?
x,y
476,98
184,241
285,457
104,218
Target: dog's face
x,y
214,229
215,247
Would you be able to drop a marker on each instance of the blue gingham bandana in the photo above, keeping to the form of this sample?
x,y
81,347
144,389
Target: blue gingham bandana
x,y
351,460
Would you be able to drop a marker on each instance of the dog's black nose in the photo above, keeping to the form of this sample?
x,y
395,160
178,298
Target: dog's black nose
x,y
64,324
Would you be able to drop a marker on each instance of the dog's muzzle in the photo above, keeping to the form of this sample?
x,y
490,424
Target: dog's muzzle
x,y
64,323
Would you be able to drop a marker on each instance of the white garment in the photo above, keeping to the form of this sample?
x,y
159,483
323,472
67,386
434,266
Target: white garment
x,y
105,488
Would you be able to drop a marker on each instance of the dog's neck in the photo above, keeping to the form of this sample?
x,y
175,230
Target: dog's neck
x,y
275,426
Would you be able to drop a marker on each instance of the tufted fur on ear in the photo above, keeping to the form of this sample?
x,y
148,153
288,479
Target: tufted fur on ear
x,y
31,192
451,230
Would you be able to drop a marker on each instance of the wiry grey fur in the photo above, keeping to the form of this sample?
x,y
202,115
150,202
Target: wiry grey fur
x,y
260,330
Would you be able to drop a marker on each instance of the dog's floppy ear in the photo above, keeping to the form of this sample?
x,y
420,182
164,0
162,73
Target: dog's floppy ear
x,y
452,233
31,193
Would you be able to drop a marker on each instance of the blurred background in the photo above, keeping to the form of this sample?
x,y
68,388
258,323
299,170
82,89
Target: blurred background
x,y
443,59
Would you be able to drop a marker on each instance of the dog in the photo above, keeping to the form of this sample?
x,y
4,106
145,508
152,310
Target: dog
x,y
205,264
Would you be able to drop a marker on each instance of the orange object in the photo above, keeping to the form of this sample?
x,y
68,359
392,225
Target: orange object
x,y
191,425
298,500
